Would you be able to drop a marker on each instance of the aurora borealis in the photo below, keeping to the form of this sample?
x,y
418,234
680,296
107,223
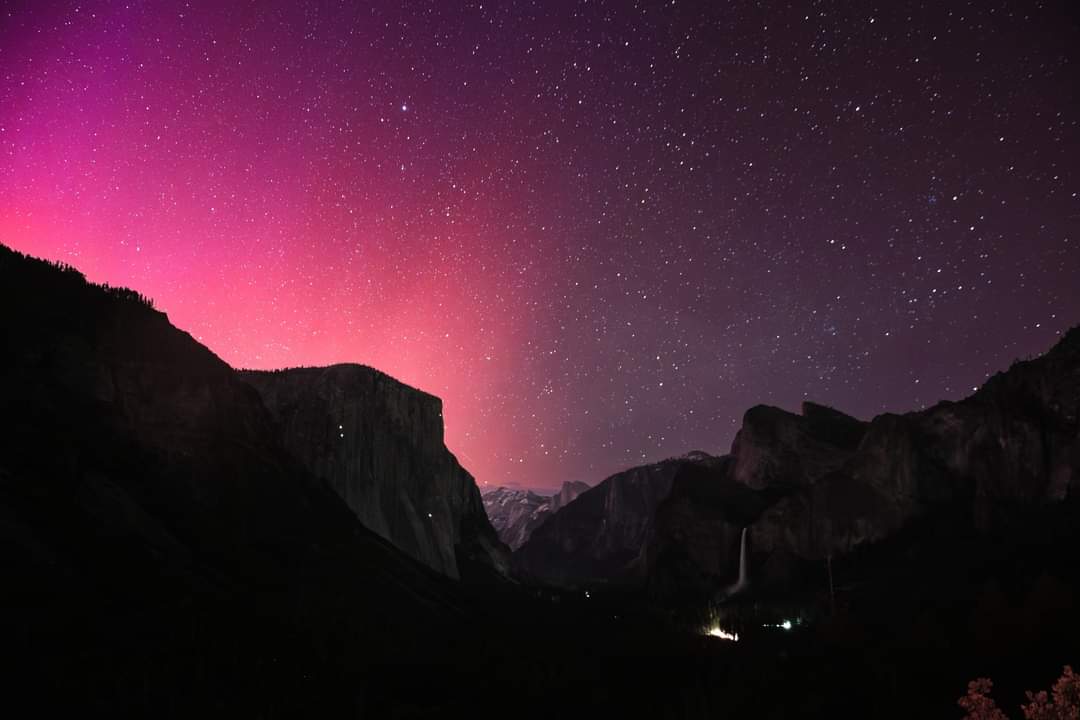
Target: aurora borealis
x,y
599,231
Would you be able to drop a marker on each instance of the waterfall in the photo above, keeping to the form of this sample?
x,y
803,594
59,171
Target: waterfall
x,y
742,561
742,581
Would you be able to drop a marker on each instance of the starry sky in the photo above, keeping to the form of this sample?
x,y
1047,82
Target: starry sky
x,y
600,231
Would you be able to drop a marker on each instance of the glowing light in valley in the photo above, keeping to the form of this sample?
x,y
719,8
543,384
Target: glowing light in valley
x,y
718,632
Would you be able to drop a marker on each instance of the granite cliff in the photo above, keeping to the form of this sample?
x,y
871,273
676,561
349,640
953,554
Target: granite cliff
x,y
379,444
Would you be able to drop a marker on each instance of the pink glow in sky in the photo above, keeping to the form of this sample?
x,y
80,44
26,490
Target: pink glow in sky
x,y
283,212
599,231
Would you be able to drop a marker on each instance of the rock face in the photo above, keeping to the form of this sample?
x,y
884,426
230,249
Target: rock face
x,y
776,449
379,444
567,494
822,485
1011,448
516,513
698,529
600,535
796,463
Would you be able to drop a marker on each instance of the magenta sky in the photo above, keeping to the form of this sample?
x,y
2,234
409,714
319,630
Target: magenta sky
x,y
598,232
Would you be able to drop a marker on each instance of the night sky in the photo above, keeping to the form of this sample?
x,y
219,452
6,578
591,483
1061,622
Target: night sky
x,y
600,231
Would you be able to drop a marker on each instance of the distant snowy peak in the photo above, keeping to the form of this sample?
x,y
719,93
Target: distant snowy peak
x,y
515,513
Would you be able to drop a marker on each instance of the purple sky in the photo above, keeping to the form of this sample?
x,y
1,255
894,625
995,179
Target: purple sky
x,y
599,231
